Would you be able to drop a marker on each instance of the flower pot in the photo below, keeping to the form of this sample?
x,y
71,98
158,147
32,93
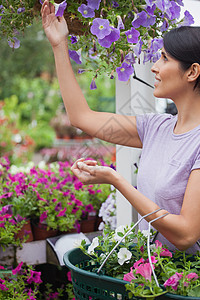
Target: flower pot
x,y
26,230
40,231
90,224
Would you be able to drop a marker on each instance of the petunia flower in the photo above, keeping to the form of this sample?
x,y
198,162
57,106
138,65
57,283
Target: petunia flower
x,y
73,39
113,36
124,71
14,43
76,56
94,4
145,270
132,35
17,269
35,277
123,255
43,216
62,212
129,276
60,8
86,11
173,281
100,28
21,10
93,85
93,245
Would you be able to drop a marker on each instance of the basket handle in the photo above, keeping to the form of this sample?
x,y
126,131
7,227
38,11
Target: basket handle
x,y
103,263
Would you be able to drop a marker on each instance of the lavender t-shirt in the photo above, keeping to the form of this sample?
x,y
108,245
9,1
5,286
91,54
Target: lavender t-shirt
x,y
166,162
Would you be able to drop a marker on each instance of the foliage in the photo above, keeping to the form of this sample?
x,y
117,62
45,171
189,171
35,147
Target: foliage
x,y
23,283
14,142
176,272
50,194
113,33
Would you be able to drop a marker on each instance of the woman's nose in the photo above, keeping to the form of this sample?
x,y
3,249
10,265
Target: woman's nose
x,y
154,68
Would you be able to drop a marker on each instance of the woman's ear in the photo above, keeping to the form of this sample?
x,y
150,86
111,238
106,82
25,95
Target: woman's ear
x,y
193,72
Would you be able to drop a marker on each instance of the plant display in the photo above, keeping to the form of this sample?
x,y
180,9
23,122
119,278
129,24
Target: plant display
x,y
177,272
23,283
50,194
109,35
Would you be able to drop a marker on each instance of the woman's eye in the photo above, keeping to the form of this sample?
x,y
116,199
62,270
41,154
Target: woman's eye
x,y
165,57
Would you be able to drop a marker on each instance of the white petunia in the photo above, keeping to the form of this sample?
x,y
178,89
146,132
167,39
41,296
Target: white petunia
x,y
146,233
95,243
123,255
77,243
120,229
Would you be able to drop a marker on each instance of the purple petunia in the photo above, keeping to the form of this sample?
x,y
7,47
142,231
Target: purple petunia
x,y
14,43
93,85
100,28
86,11
21,10
188,19
60,8
43,216
94,4
124,71
132,35
62,212
115,4
73,39
107,41
76,56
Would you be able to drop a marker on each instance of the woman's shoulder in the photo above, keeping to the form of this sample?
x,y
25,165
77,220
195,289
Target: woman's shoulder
x,y
156,118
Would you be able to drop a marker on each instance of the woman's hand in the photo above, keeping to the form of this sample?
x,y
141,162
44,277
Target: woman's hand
x,y
55,27
88,172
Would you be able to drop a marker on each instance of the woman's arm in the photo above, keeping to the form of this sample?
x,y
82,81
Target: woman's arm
x,y
181,230
117,129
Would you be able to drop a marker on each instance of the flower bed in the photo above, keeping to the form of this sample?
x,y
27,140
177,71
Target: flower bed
x,y
47,194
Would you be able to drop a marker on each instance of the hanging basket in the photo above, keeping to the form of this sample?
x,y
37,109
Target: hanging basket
x,y
75,25
89,285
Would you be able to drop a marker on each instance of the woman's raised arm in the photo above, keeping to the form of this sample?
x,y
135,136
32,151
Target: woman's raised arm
x,y
114,128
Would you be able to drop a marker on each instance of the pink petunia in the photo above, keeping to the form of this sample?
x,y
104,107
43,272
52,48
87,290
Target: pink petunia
x,y
35,277
129,276
69,277
17,269
43,216
62,212
145,270
173,281
137,263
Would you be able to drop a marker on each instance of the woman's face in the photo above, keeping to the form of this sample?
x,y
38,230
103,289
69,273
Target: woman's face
x,y
169,78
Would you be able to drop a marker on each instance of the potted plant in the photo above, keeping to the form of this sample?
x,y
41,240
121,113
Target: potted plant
x,y
129,270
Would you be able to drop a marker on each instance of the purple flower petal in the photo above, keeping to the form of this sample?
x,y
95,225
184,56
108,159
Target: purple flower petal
x,y
14,43
59,8
94,4
188,19
124,71
109,39
86,11
75,56
93,85
100,28
21,10
73,39
132,35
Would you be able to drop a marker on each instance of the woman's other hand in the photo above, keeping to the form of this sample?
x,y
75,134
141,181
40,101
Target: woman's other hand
x,y
88,172
55,28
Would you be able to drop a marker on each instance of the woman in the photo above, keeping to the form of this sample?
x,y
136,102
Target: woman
x,y
169,175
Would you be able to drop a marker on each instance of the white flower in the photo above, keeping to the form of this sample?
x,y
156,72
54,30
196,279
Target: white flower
x,y
101,226
77,243
153,247
42,165
95,243
120,229
146,233
123,255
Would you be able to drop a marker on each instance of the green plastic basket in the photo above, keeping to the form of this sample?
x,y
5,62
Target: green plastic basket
x,y
91,286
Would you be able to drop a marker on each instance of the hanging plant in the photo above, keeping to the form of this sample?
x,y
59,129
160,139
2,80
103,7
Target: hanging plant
x,y
105,36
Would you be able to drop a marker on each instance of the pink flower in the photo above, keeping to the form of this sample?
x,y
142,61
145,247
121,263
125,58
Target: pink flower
x,y
145,271
2,285
129,276
164,252
189,277
173,281
17,269
69,277
78,185
43,216
153,259
35,277
62,212
137,263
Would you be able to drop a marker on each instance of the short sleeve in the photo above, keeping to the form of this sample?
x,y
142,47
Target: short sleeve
x,y
196,164
142,122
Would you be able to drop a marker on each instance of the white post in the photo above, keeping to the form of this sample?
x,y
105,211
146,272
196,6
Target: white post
x,y
132,98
